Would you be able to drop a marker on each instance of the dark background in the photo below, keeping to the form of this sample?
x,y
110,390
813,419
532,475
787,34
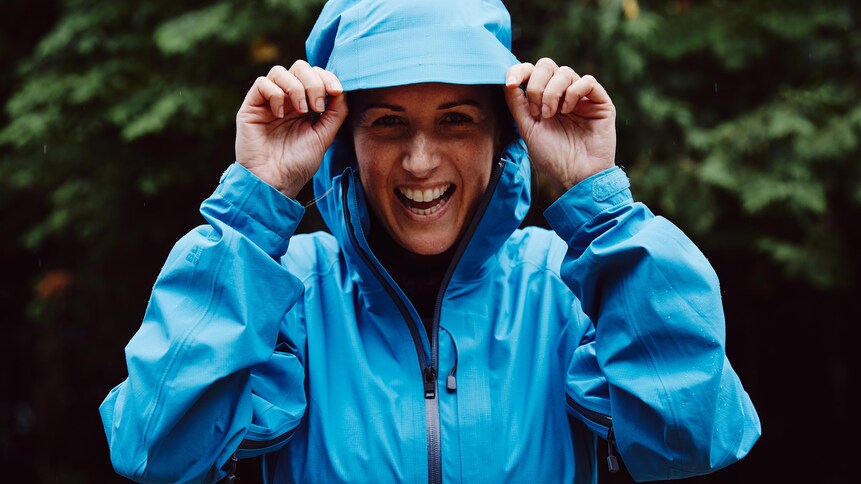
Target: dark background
x,y
739,121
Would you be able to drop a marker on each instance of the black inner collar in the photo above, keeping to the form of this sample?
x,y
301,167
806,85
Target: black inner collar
x,y
418,276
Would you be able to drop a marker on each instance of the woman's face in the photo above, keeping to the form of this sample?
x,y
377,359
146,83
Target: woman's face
x,y
425,153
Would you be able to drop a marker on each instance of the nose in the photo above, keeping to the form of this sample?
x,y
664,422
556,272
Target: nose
x,y
421,157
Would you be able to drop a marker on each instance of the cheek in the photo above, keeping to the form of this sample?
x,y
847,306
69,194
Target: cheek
x,y
478,163
374,178
367,163
373,181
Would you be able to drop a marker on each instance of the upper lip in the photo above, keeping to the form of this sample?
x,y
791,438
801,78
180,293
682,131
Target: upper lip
x,y
424,194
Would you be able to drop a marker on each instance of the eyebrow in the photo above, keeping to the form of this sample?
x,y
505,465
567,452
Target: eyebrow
x,y
448,105
391,107
464,102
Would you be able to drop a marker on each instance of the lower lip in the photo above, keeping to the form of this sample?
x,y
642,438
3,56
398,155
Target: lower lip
x,y
426,218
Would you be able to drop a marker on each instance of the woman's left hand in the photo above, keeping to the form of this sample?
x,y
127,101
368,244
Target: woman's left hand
x,y
567,121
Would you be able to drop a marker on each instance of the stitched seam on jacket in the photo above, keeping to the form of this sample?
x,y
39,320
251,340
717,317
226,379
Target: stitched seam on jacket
x,y
686,470
664,393
177,351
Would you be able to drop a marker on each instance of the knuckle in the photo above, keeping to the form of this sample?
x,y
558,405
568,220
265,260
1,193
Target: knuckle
x,y
313,83
323,74
552,96
546,63
276,69
568,70
299,64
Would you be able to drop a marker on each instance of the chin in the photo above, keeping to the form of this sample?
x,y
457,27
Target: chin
x,y
427,247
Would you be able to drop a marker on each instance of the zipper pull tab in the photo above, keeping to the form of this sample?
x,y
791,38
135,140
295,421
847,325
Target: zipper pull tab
x,y
430,382
612,461
451,381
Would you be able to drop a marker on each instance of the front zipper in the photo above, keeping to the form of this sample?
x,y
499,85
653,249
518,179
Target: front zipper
x,y
434,453
495,175
603,420
429,370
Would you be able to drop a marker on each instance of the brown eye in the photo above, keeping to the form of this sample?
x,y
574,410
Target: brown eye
x,y
387,120
456,118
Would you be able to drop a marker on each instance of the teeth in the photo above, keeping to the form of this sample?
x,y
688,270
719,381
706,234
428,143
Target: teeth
x,y
424,195
428,211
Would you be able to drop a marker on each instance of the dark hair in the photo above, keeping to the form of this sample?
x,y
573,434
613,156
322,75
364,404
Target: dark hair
x,y
506,128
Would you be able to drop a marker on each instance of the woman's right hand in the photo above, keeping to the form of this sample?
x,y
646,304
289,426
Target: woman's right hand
x,y
286,124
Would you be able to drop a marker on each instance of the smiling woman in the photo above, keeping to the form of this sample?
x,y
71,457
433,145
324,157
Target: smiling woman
x,y
427,337
425,153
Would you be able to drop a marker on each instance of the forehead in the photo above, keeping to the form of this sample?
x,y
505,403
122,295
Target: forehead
x,y
425,95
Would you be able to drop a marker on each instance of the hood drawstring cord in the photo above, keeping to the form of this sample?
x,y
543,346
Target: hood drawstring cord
x,y
451,381
612,461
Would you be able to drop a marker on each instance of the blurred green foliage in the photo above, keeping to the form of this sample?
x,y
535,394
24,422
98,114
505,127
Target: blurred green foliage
x,y
739,121
729,112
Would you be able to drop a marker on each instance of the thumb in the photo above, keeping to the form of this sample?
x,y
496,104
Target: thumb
x,y
519,106
333,117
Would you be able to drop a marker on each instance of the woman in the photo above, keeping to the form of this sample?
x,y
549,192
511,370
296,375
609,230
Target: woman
x,y
427,338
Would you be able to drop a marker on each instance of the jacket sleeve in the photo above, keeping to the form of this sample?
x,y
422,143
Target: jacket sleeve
x,y
210,368
678,408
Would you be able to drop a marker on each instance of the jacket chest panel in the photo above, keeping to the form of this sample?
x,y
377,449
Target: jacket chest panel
x,y
366,413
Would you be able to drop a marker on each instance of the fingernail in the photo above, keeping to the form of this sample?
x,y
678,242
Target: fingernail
x,y
533,110
303,106
320,106
281,112
337,86
545,111
565,106
510,81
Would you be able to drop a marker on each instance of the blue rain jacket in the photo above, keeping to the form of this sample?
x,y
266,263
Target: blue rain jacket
x,y
257,340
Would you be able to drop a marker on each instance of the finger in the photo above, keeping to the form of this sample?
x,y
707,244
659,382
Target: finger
x,y
518,105
518,74
333,117
330,81
315,88
554,94
265,91
585,87
544,70
291,86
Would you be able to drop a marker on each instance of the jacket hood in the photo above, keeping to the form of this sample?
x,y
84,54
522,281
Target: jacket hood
x,y
383,43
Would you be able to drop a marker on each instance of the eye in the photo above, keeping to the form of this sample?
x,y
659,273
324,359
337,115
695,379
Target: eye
x,y
387,120
456,118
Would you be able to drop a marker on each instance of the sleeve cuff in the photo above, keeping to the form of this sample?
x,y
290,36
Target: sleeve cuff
x,y
256,209
587,200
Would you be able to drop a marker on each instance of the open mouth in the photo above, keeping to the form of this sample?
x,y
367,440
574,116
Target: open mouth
x,y
425,202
